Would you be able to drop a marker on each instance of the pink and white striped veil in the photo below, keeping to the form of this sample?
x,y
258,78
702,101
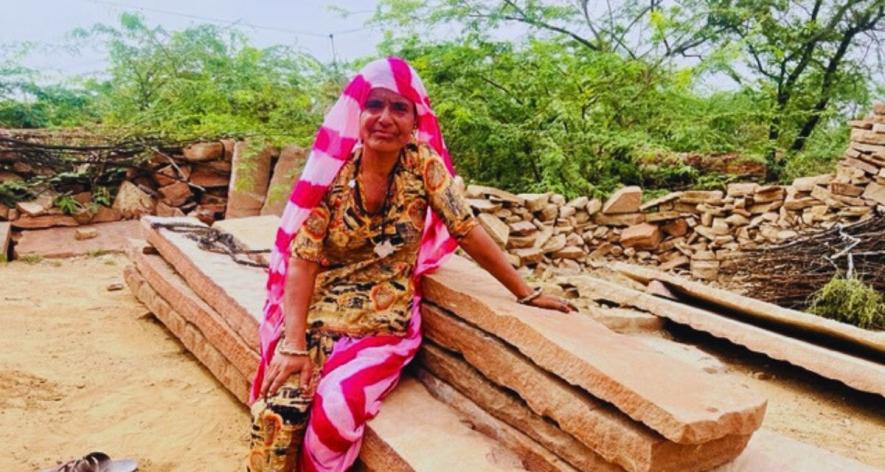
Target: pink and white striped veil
x,y
360,371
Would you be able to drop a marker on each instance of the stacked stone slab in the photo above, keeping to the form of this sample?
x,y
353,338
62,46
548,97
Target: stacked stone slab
x,y
213,305
547,391
700,230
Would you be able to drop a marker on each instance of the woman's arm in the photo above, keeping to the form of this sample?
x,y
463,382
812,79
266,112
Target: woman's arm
x,y
489,256
300,282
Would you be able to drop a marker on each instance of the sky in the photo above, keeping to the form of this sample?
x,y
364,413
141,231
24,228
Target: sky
x,y
301,23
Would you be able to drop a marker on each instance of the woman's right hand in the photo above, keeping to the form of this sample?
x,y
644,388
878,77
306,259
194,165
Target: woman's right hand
x,y
281,367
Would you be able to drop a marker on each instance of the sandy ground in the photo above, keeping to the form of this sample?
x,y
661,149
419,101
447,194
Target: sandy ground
x,y
83,368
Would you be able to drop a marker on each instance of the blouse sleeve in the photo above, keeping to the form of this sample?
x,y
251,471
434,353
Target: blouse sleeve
x,y
308,241
444,196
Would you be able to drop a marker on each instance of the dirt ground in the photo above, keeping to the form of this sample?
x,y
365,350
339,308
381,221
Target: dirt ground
x,y
83,368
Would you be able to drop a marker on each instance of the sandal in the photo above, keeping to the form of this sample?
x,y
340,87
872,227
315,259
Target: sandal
x,y
96,462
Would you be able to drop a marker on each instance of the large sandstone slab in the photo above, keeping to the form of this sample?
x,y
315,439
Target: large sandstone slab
x,y
5,236
595,424
253,233
429,436
682,404
624,200
175,291
285,173
533,455
44,221
234,290
750,308
63,242
769,451
189,335
250,175
853,371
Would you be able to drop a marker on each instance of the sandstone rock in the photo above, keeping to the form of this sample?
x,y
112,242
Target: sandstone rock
x,y
845,189
767,194
597,426
44,221
132,202
522,228
206,177
549,212
737,220
661,216
497,229
528,256
641,236
31,208
5,237
106,215
678,261
624,200
176,194
478,191
587,354
566,212
800,203
859,164
199,152
569,252
483,206
543,236
579,203
806,184
672,196
712,197
166,210
168,175
676,228
703,269
85,233
875,192
285,173
593,206
535,201
741,189
4,212
250,176
554,244
625,219
720,227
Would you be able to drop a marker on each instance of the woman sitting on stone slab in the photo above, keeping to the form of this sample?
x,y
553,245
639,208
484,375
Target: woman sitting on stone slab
x,y
375,208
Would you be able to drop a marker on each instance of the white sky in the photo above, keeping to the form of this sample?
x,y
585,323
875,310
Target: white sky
x,y
302,23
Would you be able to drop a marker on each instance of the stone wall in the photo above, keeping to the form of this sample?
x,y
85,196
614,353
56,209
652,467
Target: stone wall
x,y
696,229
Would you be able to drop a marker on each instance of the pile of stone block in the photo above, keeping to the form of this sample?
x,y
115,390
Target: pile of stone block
x,y
496,386
700,230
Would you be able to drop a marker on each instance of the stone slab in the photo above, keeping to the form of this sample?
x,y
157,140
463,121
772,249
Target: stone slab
x,y
250,175
234,290
285,173
44,221
595,424
757,309
683,405
534,456
5,236
175,291
624,200
769,451
855,372
452,370
62,242
254,233
429,436
189,335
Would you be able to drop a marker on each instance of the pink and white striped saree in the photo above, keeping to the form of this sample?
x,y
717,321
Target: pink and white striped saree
x,y
360,371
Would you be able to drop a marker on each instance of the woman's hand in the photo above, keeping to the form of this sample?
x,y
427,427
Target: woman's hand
x,y
281,367
553,303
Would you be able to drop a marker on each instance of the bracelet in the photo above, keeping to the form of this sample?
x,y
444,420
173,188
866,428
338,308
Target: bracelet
x,y
285,349
528,298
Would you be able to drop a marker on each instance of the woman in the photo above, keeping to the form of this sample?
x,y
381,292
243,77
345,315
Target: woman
x,y
341,318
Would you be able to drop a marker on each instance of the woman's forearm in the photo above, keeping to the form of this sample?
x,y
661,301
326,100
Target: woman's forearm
x,y
300,283
490,257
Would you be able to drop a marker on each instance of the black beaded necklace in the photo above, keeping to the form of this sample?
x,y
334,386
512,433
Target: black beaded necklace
x,y
383,247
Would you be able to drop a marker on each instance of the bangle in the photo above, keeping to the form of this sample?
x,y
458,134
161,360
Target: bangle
x,y
528,298
285,349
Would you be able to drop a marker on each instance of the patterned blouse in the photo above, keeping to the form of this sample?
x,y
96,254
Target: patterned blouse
x,y
359,292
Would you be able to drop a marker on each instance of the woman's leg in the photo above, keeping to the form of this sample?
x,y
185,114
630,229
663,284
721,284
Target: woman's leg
x,y
279,421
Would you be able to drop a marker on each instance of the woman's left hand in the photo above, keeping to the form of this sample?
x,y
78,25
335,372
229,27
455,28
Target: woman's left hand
x,y
550,302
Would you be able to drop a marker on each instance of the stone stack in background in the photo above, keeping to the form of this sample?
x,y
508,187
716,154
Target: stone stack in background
x,y
206,180
695,229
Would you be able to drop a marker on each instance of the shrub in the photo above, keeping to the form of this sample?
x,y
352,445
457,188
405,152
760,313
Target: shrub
x,y
850,300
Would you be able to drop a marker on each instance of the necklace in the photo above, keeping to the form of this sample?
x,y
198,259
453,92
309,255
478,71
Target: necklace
x,y
383,246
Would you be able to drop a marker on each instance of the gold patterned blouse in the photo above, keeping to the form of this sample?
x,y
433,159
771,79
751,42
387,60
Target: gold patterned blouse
x,y
365,286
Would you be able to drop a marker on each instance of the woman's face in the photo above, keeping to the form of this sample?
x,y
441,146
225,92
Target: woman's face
x,y
387,121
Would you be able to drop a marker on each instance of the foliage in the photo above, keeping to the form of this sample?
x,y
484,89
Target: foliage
x,y
12,191
67,204
848,299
